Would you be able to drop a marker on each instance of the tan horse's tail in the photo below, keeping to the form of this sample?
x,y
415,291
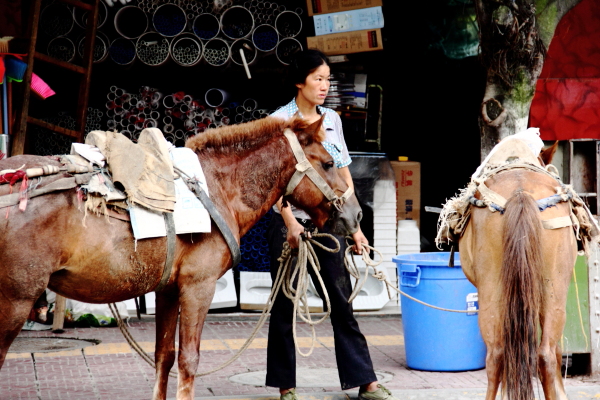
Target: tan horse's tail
x,y
521,287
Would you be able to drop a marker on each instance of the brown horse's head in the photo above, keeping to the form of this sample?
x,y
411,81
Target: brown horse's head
x,y
547,154
307,196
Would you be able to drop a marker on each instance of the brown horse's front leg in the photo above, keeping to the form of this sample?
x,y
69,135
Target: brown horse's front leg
x,y
195,302
167,311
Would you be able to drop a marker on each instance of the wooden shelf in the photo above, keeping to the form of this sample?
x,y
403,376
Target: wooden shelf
x,y
79,4
60,63
53,127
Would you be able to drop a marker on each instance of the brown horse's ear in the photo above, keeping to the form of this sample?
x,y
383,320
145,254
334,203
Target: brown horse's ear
x,y
313,132
548,153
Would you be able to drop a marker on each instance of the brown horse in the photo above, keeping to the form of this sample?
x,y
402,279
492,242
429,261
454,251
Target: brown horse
x,y
522,272
247,168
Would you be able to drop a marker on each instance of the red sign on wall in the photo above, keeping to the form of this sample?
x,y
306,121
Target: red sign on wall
x,y
567,98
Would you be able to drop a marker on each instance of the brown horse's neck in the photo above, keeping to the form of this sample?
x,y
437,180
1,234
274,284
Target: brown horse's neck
x,y
252,184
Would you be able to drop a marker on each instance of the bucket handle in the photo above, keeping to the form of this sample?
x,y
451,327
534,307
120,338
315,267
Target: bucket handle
x,y
410,275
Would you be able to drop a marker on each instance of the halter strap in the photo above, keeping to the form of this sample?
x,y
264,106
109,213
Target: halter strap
x,y
304,167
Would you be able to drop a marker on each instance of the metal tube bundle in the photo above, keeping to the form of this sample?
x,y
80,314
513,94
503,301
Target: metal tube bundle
x,y
169,20
186,50
216,52
152,49
80,16
265,37
288,24
56,20
178,114
286,49
254,247
246,28
206,26
101,44
122,51
61,48
237,22
131,22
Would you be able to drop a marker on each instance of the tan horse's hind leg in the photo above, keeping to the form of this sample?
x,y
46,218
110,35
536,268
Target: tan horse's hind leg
x,y
549,360
482,269
493,364
167,312
560,253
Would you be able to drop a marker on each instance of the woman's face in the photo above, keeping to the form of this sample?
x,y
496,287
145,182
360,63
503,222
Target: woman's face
x,y
315,87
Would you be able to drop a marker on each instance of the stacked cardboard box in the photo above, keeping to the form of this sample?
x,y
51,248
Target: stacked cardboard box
x,y
327,6
354,20
408,189
352,26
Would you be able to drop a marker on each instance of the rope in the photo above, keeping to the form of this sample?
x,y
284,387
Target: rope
x,y
300,274
350,264
286,276
298,294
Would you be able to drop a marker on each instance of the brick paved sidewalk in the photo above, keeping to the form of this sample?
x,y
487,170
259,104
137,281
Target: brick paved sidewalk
x,y
111,370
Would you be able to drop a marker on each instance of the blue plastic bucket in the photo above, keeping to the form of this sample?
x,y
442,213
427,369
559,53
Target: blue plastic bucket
x,y
437,340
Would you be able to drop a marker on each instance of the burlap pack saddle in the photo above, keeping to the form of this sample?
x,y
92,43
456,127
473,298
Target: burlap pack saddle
x,y
510,155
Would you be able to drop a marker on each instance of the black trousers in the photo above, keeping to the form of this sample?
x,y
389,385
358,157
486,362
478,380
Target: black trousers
x,y
352,354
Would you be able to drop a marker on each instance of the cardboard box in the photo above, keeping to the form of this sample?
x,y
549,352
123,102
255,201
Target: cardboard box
x,y
347,42
331,6
346,21
408,189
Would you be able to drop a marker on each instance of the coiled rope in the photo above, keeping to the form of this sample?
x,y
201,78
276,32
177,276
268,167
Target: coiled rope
x,y
284,280
352,268
286,276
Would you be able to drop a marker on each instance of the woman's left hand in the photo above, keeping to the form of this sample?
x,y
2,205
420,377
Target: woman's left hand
x,y
359,238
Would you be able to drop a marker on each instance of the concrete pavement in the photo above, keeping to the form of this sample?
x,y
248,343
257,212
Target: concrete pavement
x,y
110,370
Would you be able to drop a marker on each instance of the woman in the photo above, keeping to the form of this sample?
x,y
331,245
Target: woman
x,y
310,74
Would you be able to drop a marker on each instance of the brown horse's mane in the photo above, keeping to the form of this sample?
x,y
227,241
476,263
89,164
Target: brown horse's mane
x,y
237,139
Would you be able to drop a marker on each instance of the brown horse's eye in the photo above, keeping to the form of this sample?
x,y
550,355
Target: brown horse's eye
x,y
328,165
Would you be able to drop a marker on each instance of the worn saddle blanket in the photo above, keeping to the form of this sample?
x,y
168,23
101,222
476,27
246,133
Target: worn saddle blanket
x,y
143,169
517,151
145,172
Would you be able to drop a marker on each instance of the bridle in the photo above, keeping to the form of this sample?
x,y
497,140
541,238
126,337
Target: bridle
x,y
304,167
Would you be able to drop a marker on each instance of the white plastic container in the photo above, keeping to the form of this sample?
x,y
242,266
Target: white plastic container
x,y
408,239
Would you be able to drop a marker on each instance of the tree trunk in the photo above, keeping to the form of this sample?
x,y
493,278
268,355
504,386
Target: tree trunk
x,y
514,36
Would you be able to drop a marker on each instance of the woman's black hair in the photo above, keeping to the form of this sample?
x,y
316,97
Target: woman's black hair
x,y
304,63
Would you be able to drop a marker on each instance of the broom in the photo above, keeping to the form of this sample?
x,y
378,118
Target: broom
x,y
40,87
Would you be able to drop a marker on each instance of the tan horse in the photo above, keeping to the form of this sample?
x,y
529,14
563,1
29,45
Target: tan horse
x,y
522,272
247,168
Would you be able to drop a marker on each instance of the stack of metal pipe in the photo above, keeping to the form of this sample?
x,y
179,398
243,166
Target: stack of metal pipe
x,y
154,31
178,115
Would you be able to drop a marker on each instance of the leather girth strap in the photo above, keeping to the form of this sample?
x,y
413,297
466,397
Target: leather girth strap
x,y
171,239
232,243
60,184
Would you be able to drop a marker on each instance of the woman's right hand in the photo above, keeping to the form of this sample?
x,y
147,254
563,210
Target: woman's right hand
x,y
294,230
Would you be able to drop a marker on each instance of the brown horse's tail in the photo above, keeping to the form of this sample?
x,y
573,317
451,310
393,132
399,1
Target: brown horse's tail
x,y
520,304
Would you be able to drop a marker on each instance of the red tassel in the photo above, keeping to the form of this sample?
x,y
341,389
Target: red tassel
x,y
79,196
23,194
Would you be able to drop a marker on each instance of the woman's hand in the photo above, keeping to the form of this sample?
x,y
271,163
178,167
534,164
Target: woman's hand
x,y
294,230
359,238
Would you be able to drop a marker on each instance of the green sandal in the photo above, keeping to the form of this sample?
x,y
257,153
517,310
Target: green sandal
x,y
291,395
382,393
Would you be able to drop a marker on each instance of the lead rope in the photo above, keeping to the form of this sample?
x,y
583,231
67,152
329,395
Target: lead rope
x,y
284,280
298,294
352,268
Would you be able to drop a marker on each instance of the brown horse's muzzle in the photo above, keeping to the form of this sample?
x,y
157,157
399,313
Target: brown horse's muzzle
x,y
346,221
